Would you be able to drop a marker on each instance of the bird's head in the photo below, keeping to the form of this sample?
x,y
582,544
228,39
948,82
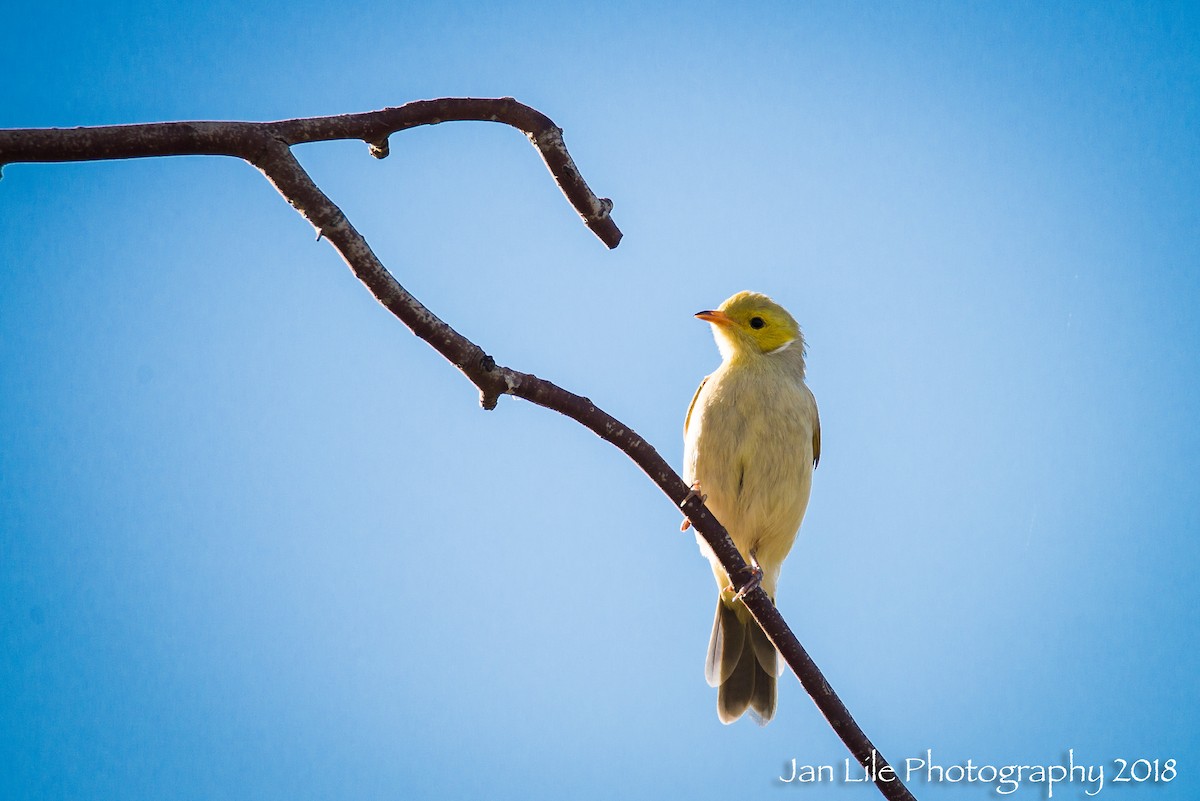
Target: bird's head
x,y
750,323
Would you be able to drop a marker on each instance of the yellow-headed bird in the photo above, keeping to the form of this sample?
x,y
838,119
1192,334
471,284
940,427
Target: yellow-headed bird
x,y
751,441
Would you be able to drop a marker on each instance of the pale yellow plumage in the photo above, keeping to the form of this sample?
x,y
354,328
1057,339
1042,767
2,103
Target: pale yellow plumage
x,y
751,440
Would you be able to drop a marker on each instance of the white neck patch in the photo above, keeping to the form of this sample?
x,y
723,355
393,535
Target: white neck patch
x,y
782,347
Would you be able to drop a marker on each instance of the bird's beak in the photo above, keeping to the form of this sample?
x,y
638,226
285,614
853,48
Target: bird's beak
x,y
718,317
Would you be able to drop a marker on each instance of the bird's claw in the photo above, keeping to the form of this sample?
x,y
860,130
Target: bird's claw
x,y
694,492
756,576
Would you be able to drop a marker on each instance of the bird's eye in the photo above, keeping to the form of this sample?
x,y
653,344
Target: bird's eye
x,y
757,322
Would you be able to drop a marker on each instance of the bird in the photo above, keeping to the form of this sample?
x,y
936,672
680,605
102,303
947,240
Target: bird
x,y
752,437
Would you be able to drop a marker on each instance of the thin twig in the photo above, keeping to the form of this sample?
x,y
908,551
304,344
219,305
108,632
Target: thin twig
x,y
267,145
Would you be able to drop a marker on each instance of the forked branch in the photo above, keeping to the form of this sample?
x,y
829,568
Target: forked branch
x,y
267,145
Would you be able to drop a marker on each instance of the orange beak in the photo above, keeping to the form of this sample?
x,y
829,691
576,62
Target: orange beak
x,y
718,317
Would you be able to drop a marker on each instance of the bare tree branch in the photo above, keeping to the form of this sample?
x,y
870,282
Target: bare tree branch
x,y
267,145
246,139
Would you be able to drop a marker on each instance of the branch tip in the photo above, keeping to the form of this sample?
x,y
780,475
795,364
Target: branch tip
x,y
489,399
380,149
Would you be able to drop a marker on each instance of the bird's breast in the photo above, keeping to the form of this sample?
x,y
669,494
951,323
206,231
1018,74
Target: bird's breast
x,y
750,449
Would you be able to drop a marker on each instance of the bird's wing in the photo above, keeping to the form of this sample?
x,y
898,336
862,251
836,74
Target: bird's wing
x,y
692,405
816,438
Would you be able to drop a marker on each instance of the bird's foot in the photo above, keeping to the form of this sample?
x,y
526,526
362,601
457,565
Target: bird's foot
x,y
694,492
756,576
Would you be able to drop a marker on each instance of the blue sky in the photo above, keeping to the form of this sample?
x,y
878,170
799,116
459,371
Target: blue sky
x,y
258,541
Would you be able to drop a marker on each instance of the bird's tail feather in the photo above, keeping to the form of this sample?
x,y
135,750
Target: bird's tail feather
x,y
742,664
